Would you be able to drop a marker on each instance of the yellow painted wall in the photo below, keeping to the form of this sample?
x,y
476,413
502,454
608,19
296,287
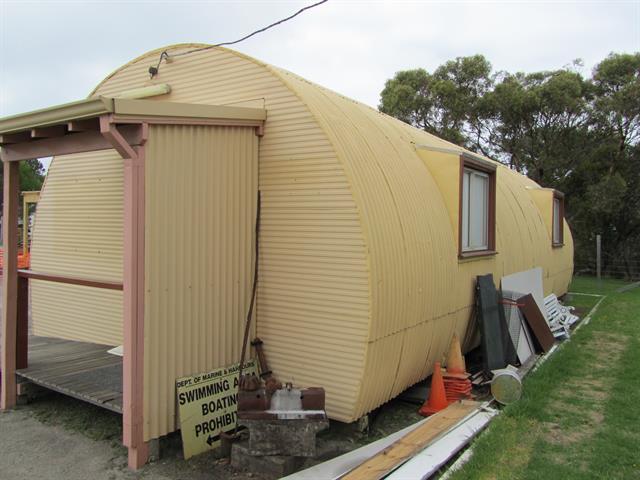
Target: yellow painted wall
x,y
200,200
360,285
312,309
420,293
78,232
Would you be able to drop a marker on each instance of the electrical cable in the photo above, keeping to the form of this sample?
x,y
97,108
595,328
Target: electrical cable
x,y
153,71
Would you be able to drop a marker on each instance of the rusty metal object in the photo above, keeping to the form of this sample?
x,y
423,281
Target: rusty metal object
x,y
271,385
284,403
249,383
253,400
312,398
256,415
262,359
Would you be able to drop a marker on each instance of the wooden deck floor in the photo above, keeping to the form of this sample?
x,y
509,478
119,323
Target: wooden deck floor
x,y
81,370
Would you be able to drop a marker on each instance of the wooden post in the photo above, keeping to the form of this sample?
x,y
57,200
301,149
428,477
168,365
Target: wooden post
x,y
25,225
599,260
133,290
133,281
10,284
22,328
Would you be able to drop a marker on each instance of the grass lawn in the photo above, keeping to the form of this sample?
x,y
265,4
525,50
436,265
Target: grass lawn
x,y
579,417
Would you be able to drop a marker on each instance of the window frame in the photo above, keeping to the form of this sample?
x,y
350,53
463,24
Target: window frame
x,y
557,195
469,162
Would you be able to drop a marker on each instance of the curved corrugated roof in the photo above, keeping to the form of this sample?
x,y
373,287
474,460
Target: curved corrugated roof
x,y
361,287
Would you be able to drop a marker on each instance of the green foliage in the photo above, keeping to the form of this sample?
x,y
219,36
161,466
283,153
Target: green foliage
x,y
442,103
31,176
579,135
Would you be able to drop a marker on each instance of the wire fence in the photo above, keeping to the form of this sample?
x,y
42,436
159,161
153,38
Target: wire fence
x,y
610,268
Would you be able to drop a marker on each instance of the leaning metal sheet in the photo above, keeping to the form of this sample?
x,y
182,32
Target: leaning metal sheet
x,y
518,329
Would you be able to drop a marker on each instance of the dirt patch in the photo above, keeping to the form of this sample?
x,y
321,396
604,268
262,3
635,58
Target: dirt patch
x,y
586,398
608,347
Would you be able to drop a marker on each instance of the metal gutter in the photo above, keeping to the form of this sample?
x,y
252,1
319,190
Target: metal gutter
x,y
92,107
151,108
97,106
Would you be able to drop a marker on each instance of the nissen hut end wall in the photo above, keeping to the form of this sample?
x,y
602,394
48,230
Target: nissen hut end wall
x,y
360,285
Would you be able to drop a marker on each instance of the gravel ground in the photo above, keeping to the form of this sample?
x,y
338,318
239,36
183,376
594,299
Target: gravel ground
x,y
31,449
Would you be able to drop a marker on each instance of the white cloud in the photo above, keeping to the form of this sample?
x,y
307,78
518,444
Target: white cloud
x,y
55,51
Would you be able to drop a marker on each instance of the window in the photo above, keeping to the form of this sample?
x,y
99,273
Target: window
x,y
477,207
558,219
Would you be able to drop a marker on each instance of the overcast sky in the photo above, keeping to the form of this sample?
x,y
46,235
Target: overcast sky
x,y
53,51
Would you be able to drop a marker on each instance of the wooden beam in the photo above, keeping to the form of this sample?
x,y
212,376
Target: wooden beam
x,y
88,125
111,133
10,285
85,282
48,132
9,138
74,143
400,451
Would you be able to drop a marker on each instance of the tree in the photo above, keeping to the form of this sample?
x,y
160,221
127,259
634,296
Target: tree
x,y
537,123
579,135
443,103
31,177
609,180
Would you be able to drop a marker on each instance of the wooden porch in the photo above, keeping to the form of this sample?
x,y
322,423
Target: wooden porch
x,y
78,369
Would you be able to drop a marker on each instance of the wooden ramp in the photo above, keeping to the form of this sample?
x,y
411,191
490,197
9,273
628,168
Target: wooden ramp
x,y
78,369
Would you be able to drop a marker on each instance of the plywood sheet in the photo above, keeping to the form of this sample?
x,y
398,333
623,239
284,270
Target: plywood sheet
x,y
518,329
536,321
528,281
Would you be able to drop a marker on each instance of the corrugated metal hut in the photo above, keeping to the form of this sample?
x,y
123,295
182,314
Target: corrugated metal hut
x,y
372,235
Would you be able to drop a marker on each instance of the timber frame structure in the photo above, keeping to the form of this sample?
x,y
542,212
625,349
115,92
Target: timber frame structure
x,y
97,123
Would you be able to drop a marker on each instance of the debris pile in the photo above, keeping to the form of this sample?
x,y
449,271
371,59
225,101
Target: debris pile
x,y
517,325
559,318
282,421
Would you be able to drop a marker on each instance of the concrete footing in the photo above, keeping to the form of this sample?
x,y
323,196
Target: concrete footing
x,y
275,466
291,437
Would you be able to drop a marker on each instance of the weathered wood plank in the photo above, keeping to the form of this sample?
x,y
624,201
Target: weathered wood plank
x,y
397,453
78,369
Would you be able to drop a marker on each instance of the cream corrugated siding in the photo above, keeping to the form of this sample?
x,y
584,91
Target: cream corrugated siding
x,y
78,232
360,285
201,194
411,255
313,309
421,293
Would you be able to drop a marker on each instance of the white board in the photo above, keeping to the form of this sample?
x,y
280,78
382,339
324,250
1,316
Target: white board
x,y
429,460
338,466
518,330
529,281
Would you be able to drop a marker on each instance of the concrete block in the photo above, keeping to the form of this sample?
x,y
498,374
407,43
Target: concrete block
x,y
275,466
293,437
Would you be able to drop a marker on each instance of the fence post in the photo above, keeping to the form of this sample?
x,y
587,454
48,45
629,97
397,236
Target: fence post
x,y
598,259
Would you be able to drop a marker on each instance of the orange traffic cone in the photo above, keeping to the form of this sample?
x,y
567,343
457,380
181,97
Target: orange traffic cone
x,y
456,379
455,360
437,397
